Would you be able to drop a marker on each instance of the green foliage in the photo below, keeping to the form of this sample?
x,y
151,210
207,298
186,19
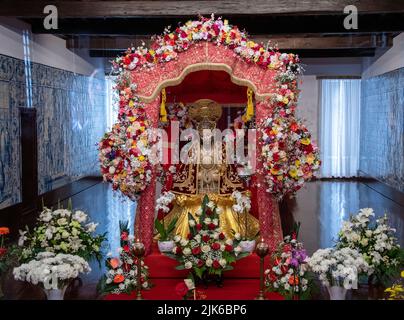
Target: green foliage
x,y
165,233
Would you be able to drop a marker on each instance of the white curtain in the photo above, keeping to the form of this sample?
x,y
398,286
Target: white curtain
x,y
340,127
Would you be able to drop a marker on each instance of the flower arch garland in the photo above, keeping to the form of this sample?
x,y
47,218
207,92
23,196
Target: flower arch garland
x,y
124,152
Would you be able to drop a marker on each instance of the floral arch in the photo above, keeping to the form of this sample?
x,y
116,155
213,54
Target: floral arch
x,y
286,155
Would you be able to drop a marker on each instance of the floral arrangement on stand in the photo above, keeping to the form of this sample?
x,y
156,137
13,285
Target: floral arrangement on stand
x,y
289,156
121,274
396,291
62,231
163,207
206,252
125,151
338,269
52,271
375,240
4,231
187,291
289,273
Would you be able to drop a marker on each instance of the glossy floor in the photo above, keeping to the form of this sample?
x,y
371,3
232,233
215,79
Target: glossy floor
x,y
320,207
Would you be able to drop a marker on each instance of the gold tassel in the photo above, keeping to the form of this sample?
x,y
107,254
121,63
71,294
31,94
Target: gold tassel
x,y
250,106
163,111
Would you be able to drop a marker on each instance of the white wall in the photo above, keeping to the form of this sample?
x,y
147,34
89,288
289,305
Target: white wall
x,y
45,49
307,107
391,60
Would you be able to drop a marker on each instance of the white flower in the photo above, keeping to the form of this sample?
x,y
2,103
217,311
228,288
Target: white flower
x,y
184,242
187,251
205,248
237,236
188,265
229,242
219,211
207,221
192,223
211,205
91,227
223,262
22,238
198,212
80,216
177,238
209,262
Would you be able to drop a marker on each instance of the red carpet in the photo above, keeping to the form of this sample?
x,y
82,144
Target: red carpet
x,y
242,283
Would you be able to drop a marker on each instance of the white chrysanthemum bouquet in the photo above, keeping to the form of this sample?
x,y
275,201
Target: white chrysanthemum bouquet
x,y
52,271
338,267
62,231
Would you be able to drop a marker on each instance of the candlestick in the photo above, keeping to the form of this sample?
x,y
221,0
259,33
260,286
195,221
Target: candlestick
x,y
261,250
139,251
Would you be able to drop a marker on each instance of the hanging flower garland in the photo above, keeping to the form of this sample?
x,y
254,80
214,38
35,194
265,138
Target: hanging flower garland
x,y
289,156
124,153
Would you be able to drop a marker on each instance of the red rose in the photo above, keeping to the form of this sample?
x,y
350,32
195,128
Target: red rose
x,y
160,214
126,248
205,238
196,251
3,251
124,236
181,289
209,211
198,227
211,226
200,263
216,246
221,236
189,236
216,264
228,248
178,250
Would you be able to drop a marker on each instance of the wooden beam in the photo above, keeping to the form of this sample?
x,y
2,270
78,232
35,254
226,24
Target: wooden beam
x,y
291,42
89,9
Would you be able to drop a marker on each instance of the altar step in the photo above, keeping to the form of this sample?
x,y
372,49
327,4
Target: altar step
x,y
233,289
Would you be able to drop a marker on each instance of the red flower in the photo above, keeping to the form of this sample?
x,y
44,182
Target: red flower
x,y
211,226
205,238
200,263
126,248
189,236
196,251
178,250
124,236
160,214
3,251
198,227
209,211
216,264
221,236
228,248
215,246
181,289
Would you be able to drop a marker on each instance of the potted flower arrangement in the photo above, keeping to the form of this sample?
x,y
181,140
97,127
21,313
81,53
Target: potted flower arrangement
x,y
62,231
289,274
66,236
4,255
163,206
52,271
242,206
121,274
338,269
375,240
206,251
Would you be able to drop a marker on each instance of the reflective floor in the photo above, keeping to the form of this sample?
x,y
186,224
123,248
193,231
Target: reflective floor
x,y
320,207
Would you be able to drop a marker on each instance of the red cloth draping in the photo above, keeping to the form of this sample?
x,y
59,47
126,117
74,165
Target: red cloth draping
x,y
268,209
144,220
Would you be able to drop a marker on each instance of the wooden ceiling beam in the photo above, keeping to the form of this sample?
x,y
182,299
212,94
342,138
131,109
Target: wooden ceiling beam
x,y
91,9
296,42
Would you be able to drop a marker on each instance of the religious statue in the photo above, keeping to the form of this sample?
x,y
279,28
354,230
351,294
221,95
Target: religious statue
x,y
210,175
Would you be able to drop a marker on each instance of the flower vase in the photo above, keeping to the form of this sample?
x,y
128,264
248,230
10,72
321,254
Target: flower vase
x,y
55,294
336,292
247,245
166,246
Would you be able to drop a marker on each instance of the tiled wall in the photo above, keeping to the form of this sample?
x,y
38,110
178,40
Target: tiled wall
x,y
382,128
70,121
